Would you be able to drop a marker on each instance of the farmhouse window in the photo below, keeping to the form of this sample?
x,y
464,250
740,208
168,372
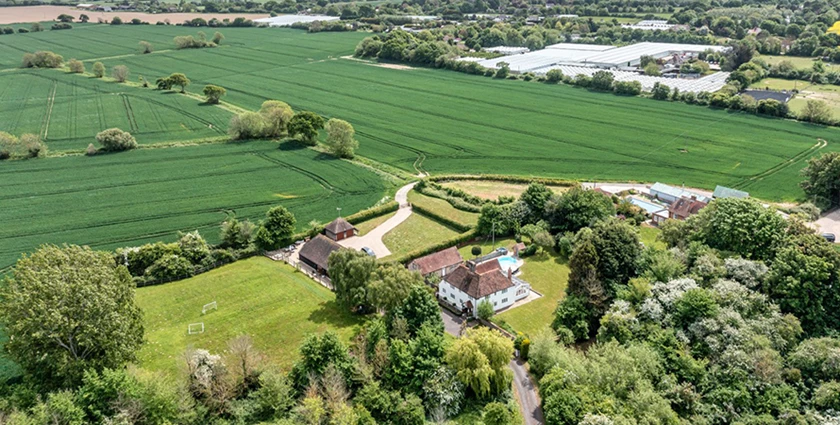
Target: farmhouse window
x,y
504,300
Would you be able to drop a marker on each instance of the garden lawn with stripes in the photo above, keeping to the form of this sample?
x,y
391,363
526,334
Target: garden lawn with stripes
x,y
447,122
146,195
269,301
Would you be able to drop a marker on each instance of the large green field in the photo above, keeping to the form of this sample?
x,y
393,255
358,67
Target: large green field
x,y
463,123
255,297
125,199
432,120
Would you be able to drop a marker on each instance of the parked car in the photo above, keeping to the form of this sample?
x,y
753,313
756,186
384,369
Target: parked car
x,y
368,251
829,237
502,251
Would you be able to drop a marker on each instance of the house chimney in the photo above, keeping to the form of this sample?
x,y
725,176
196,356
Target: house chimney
x,y
510,275
471,265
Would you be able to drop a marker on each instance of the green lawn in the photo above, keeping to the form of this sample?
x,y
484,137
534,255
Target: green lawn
x,y
649,235
269,301
547,274
443,208
798,62
415,233
779,84
367,226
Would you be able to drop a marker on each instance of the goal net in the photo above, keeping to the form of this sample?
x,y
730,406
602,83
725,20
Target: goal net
x,y
207,307
195,328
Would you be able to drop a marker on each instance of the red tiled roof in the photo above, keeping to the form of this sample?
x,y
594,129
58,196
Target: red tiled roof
x,y
478,285
439,260
685,207
488,266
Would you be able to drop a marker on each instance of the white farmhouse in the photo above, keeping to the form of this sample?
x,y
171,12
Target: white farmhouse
x,y
470,283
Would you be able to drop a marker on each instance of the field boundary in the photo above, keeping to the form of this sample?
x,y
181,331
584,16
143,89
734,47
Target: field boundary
x,y
50,103
821,143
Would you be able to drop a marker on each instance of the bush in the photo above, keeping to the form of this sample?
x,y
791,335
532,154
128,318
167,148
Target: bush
x,y
374,212
98,70
247,125
61,26
554,76
146,47
525,349
214,93
170,267
91,150
42,59
485,310
33,146
115,140
76,66
120,73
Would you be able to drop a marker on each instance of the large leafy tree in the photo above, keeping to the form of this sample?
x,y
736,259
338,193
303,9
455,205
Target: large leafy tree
x,y
535,197
420,308
577,208
742,226
276,229
305,125
803,280
350,273
822,180
391,285
69,309
480,360
340,138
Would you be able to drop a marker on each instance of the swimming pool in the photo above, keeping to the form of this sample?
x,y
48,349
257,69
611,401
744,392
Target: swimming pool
x,y
508,263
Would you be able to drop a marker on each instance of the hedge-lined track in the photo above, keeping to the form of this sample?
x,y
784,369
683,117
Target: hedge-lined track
x,y
146,195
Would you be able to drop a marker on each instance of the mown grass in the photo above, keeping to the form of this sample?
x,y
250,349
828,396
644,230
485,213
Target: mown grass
x,y
443,208
487,126
366,226
547,273
416,232
130,198
491,189
269,301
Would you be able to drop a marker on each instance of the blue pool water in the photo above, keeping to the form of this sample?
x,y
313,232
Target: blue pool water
x,y
507,263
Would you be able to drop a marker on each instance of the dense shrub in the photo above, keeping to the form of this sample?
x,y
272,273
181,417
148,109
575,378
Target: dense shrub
x,y
115,140
76,66
42,59
170,267
61,26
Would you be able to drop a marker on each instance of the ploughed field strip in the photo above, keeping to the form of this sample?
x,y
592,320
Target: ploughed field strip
x,y
130,198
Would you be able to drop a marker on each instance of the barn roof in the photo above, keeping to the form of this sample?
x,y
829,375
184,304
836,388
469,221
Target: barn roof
x,y
318,251
725,192
436,261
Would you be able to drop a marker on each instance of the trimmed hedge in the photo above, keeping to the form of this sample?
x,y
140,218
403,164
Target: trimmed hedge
x,y
441,219
365,215
504,178
454,241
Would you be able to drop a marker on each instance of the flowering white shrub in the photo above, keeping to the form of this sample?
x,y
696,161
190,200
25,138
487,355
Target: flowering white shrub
x,y
749,273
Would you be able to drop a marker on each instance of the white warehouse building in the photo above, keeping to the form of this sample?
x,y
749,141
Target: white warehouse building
x,y
573,59
288,20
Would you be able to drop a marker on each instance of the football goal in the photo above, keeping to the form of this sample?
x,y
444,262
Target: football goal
x,y
195,328
209,306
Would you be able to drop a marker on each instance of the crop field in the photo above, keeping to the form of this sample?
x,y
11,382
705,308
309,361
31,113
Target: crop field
x,y
67,110
247,295
479,125
130,198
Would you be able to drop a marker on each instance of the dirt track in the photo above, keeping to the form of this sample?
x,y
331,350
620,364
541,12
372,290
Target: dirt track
x,y
13,15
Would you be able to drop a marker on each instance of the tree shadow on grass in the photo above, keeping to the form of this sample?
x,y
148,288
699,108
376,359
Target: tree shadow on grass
x,y
329,312
291,145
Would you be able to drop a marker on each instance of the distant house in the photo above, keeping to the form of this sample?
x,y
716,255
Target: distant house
x,y
725,192
438,264
85,6
316,253
685,207
340,229
471,283
670,194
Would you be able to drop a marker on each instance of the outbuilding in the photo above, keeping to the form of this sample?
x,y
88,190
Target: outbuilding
x,y
316,253
437,264
340,229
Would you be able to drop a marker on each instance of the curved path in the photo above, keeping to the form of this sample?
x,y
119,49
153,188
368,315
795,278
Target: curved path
x,y
373,239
